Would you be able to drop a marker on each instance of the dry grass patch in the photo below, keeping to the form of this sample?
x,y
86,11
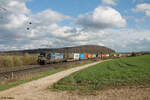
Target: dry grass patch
x,y
13,61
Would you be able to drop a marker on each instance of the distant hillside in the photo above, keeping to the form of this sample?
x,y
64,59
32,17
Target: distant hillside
x,y
75,49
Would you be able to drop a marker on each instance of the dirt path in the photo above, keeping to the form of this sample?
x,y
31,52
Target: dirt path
x,y
31,89
37,90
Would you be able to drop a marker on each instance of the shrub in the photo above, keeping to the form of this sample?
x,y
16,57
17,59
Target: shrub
x,y
34,59
17,60
13,61
28,59
7,61
1,61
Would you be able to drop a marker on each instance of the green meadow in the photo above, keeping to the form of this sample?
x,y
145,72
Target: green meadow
x,y
132,71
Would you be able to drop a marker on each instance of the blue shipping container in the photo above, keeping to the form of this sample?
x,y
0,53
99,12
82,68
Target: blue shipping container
x,y
57,56
81,55
52,56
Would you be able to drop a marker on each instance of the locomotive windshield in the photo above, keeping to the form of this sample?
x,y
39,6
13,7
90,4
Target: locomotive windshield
x,y
42,54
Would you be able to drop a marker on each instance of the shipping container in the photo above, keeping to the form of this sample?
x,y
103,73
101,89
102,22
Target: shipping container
x,y
104,55
89,55
120,55
81,55
93,55
52,56
57,56
100,55
76,56
124,55
115,55
66,55
73,56
70,57
85,56
128,55
107,55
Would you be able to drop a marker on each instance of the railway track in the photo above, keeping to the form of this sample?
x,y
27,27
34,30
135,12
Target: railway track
x,y
19,72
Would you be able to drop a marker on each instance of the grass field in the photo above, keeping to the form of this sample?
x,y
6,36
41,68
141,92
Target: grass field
x,y
130,71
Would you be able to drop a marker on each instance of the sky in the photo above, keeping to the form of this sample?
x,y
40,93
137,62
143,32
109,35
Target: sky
x,y
122,25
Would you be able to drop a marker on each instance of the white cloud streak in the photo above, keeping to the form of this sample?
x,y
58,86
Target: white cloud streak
x,y
145,7
111,2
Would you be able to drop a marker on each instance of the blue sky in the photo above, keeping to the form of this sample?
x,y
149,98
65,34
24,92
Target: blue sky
x,y
75,7
67,7
123,25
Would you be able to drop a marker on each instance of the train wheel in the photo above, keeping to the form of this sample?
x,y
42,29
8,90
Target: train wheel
x,y
44,62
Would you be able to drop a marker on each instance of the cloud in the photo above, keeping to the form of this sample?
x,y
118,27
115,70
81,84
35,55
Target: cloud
x,y
93,28
127,39
145,7
15,14
15,21
101,18
49,16
111,2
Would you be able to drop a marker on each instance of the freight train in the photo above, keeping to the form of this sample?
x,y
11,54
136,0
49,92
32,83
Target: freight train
x,y
48,58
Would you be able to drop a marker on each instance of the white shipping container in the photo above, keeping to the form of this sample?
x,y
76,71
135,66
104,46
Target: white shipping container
x,y
76,56
120,55
94,56
107,55
115,55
